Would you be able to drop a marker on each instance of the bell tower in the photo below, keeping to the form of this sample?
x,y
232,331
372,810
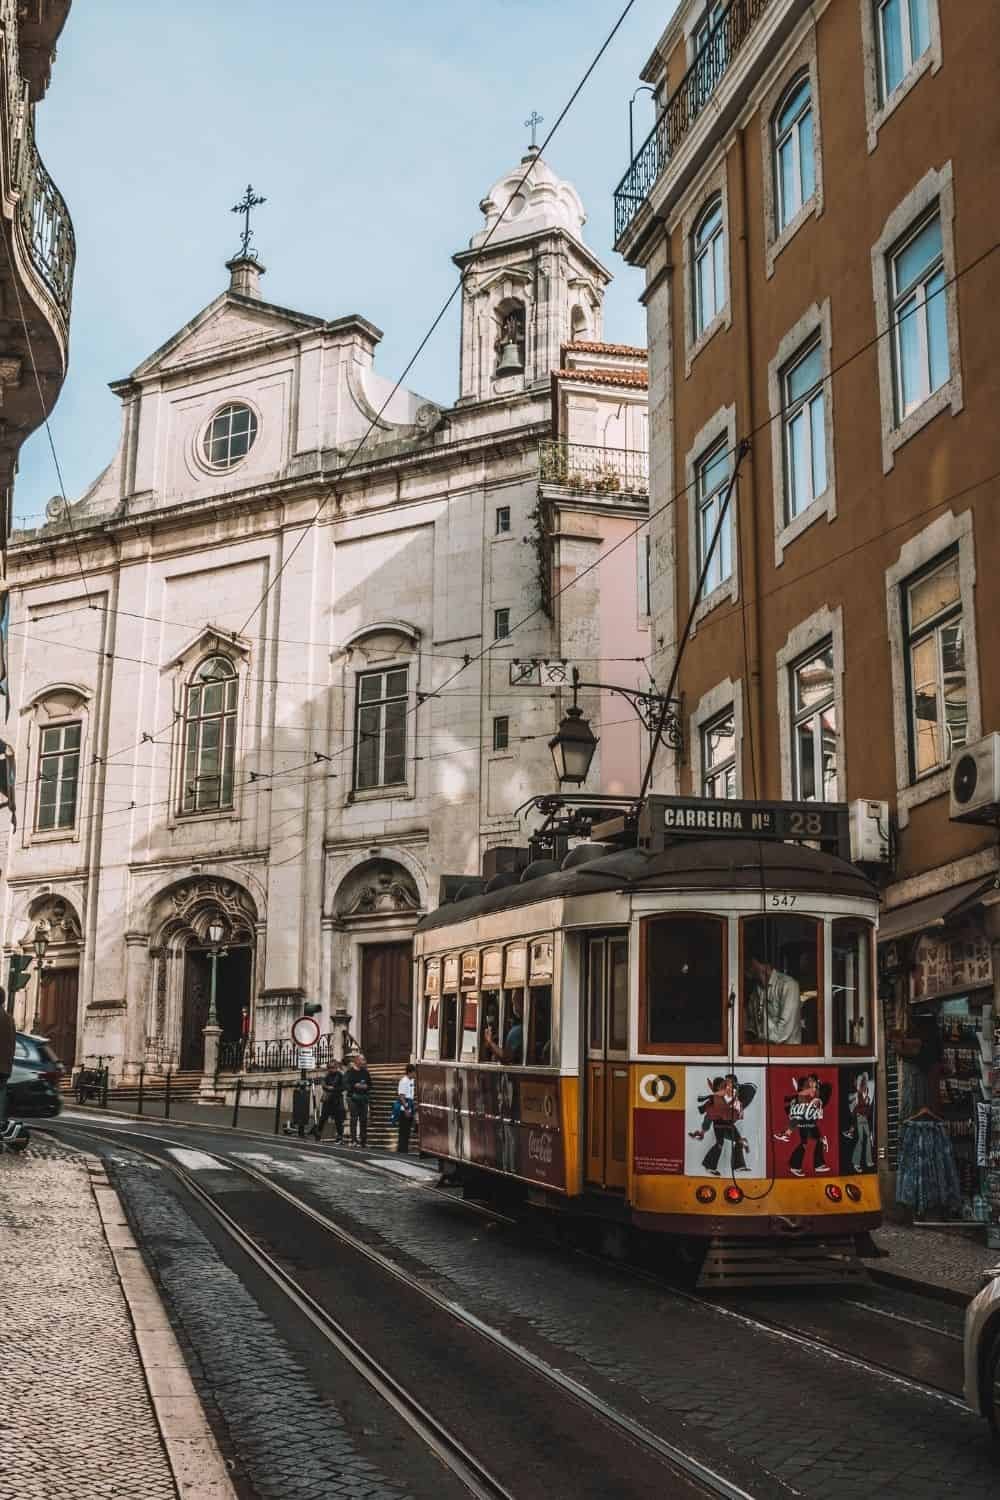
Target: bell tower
x,y
534,286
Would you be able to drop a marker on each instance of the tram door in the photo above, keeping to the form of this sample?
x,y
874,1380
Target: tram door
x,y
607,1060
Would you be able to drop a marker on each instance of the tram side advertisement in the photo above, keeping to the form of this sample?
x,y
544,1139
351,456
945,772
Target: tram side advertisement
x,y
783,1121
493,1119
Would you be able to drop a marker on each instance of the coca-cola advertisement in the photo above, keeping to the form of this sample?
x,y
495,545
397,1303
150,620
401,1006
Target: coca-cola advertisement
x,y
804,1120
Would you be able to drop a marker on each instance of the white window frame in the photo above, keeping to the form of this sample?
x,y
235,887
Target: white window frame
x,y
814,322
713,185
878,109
939,537
381,786
55,707
498,530
60,755
499,719
811,718
712,771
917,292
505,611
220,808
915,635
791,136
725,696
721,425
801,62
224,466
806,637
935,188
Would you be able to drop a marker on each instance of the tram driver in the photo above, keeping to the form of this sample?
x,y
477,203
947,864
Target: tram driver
x,y
775,1008
512,1051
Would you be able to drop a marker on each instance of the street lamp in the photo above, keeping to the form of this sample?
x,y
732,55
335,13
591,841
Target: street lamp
x,y
574,742
40,945
216,932
643,88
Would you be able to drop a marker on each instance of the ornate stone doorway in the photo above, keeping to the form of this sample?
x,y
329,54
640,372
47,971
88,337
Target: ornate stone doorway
x,y
180,977
386,988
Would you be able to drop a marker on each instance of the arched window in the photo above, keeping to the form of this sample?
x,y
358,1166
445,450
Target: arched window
x,y
794,159
210,737
708,245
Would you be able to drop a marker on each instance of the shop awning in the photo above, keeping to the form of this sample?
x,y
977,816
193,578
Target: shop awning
x,y
930,911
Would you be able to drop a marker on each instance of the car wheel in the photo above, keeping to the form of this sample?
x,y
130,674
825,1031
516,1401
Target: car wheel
x,y
992,1402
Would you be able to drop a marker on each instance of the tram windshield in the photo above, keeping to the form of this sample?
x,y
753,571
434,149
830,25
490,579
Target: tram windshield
x,y
782,959
685,968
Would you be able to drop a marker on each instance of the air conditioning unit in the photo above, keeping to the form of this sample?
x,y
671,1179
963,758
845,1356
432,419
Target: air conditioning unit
x,y
869,823
975,782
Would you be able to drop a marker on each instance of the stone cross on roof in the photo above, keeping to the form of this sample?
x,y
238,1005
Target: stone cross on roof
x,y
532,123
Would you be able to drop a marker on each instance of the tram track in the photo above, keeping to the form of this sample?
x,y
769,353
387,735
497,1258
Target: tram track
x,y
456,1456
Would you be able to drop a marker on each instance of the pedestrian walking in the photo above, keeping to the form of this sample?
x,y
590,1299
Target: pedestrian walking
x,y
302,1099
333,1102
405,1109
358,1084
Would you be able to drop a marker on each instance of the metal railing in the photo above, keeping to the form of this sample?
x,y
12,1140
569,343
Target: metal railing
x,y
46,226
587,468
274,1057
685,104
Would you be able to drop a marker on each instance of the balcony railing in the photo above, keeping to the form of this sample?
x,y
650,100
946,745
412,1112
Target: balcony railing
x,y
684,106
47,227
588,469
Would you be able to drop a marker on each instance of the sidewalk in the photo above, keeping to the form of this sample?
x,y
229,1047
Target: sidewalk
x,y
936,1262
99,1400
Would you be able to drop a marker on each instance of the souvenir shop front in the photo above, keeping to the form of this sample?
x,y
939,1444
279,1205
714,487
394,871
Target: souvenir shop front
x,y
942,1058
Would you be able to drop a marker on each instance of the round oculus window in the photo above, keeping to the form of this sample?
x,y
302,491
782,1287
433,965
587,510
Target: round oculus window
x,y
229,436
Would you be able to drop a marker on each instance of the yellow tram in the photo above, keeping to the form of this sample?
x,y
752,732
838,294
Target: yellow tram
x,y
678,1036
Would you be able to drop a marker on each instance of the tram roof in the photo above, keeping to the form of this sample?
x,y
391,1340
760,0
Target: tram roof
x,y
695,864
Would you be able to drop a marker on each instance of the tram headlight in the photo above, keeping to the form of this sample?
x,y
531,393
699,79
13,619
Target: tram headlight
x,y
853,1192
833,1192
733,1194
705,1194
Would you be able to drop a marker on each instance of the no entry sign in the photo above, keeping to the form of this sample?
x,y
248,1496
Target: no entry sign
x,y
305,1032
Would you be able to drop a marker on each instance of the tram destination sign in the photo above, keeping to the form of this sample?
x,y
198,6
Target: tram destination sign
x,y
664,819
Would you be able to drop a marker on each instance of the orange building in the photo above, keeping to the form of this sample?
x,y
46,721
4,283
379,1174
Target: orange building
x,y
815,212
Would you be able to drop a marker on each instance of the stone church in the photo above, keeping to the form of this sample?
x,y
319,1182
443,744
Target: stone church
x,y
297,652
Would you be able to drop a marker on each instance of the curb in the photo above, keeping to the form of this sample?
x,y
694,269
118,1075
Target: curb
x,y
366,1160
198,1467
937,1293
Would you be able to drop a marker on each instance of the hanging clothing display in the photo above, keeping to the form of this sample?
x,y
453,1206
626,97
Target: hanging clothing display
x,y
927,1177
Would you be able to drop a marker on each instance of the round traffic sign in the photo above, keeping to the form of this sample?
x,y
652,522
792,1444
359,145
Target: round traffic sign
x,y
305,1032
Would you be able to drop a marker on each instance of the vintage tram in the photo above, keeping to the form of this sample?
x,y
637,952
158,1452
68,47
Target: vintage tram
x,y
678,1037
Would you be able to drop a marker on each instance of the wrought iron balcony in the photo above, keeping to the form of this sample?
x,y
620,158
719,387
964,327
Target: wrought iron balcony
x,y
46,227
685,104
589,469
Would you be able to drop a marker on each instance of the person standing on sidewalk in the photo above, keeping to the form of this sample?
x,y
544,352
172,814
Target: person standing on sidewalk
x,y
359,1090
8,1038
407,1109
333,1102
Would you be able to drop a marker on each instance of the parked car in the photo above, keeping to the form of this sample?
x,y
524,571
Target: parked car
x,y
982,1352
33,1088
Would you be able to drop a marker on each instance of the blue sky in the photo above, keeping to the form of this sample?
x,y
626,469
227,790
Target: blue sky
x,y
373,130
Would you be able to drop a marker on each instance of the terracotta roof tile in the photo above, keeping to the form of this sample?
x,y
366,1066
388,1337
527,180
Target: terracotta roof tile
x,y
596,348
605,377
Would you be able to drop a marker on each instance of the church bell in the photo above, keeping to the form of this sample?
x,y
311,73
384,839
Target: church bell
x,y
510,361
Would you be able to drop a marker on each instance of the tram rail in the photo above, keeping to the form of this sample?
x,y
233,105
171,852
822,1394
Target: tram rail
x,y
454,1454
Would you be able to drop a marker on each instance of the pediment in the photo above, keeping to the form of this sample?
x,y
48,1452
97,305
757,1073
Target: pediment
x,y
208,640
230,323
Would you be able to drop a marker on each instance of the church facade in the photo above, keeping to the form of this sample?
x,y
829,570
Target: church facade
x,y
298,651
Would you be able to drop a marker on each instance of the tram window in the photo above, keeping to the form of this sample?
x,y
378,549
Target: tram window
x,y
781,967
852,983
489,1018
432,1028
618,984
685,980
595,994
540,1025
470,1026
449,1026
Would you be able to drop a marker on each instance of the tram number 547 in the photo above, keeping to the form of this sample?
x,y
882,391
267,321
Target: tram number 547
x,y
782,900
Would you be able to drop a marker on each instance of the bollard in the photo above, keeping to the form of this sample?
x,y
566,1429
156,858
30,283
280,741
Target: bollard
x,y
166,1098
104,1088
277,1110
142,1074
236,1101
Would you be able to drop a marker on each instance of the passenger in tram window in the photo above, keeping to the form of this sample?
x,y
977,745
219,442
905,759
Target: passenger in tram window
x,y
775,1006
540,1027
512,1051
490,1014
